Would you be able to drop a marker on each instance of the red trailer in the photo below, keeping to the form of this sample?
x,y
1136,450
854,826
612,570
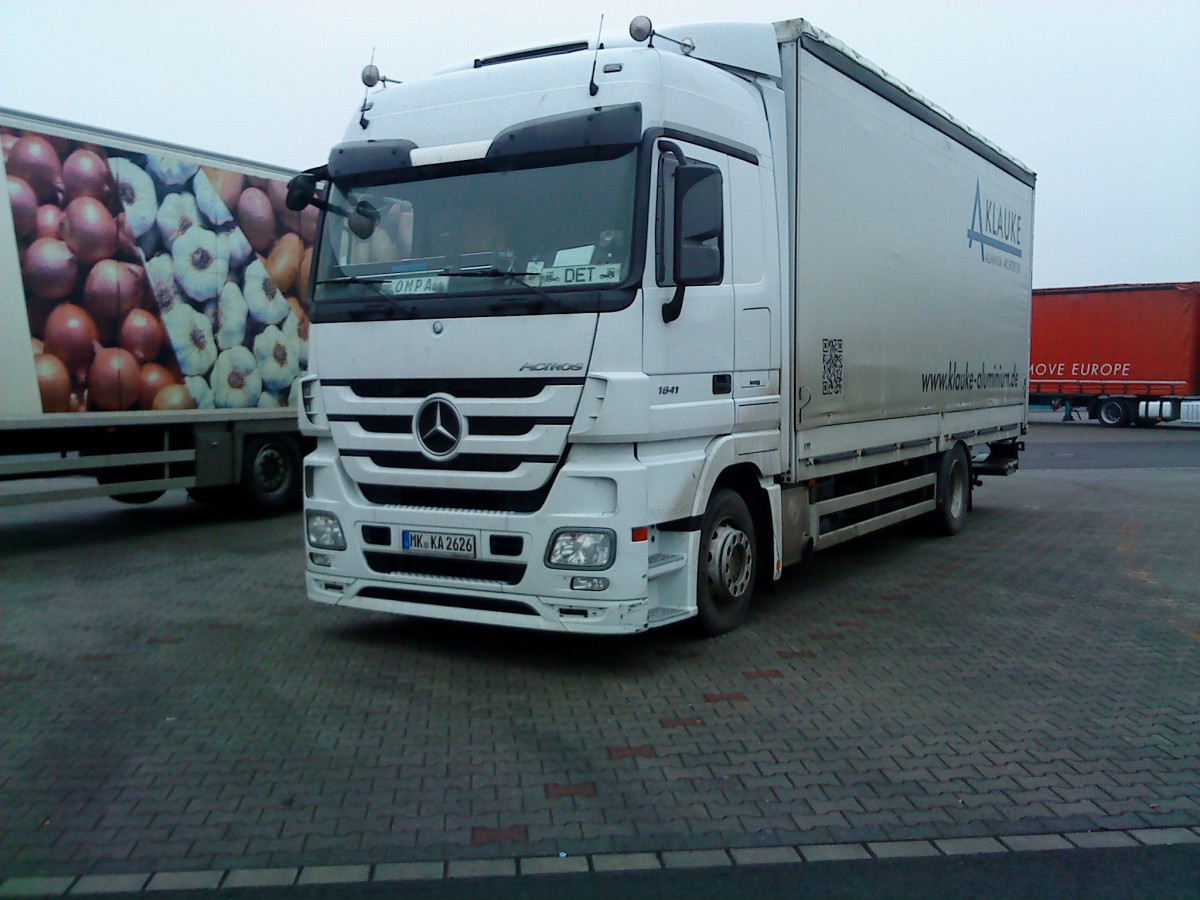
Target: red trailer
x,y
1127,353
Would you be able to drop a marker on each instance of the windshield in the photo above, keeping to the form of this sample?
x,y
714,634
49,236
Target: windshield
x,y
546,233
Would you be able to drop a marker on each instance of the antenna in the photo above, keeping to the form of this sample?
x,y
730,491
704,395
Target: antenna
x,y
594,88
371,77
362,119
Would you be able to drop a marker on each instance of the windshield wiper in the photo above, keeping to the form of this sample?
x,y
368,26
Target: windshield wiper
x,y
511,277
360,279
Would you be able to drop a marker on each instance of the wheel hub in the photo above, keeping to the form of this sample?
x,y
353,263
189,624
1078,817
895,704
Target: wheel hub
x,y
729,560
269,468
958,496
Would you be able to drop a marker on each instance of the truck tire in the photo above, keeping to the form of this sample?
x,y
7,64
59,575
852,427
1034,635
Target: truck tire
x,y
1114,412
726,572
271,472
139,473
139,498
953,492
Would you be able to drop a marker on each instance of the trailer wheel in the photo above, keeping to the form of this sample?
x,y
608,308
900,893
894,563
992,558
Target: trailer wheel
x,y
139,498
271,472
1114,412
725,580
140,473
953,492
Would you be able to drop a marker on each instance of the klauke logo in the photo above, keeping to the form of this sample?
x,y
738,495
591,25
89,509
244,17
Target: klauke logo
x,y
995,227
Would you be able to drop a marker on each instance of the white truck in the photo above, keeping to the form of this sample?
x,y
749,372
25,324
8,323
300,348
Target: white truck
x,y
606,336
151,324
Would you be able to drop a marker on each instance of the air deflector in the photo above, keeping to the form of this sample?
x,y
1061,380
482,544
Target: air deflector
x,y
603,128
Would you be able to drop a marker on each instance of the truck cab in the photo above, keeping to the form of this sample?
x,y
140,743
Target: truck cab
x,y
539,308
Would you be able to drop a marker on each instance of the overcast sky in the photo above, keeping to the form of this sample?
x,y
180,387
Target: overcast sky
x,y
1101,99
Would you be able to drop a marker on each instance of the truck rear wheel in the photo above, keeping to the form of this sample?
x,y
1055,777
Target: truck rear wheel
x,y
725,580
138,498
1114,412
953,492
271,472
128,474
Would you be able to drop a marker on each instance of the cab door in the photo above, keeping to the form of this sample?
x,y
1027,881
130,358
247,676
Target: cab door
x,y
699,340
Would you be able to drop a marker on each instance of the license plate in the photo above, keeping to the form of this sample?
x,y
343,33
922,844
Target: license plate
x,y
420,284
438,543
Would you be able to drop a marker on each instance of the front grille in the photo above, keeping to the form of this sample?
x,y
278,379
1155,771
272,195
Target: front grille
x,y
481,426
499,426
379,424
513,440
477,462
442,567
438,498
462,388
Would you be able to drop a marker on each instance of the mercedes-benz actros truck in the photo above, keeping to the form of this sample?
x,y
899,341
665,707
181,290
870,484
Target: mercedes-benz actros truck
x,y
605,336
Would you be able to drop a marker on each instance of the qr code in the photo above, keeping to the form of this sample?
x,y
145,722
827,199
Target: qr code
x,y
831,366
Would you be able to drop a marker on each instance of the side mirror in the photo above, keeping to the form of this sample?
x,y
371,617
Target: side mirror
x,y
698,240
363,219
300,192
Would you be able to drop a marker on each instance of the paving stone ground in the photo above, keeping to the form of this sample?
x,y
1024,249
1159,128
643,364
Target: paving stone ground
x,y
170,702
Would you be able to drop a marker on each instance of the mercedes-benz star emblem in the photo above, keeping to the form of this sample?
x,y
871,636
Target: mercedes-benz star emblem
x,y
439,427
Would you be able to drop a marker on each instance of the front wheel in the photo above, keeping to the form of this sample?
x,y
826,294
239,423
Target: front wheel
x,y
725,580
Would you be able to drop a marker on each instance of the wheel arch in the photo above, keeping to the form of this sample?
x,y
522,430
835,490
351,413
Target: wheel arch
x,y
724,470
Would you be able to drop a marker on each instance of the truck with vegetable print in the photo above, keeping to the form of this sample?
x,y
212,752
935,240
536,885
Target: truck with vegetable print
x,y
604,336
1126,354
152,324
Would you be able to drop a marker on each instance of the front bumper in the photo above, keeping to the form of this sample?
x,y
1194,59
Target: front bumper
x,y
508,582
482,607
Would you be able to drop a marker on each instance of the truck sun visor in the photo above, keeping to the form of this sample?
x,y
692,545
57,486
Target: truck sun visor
x,y
357,157
613,126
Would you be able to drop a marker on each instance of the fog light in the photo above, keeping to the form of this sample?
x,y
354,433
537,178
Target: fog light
x,y
589,583
578,548
325,531
321,559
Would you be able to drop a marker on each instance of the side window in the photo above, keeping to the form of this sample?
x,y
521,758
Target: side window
x,y
689,222
663,233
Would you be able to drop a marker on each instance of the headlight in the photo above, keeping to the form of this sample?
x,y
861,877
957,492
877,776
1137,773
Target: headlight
x,y
578,548
325,531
